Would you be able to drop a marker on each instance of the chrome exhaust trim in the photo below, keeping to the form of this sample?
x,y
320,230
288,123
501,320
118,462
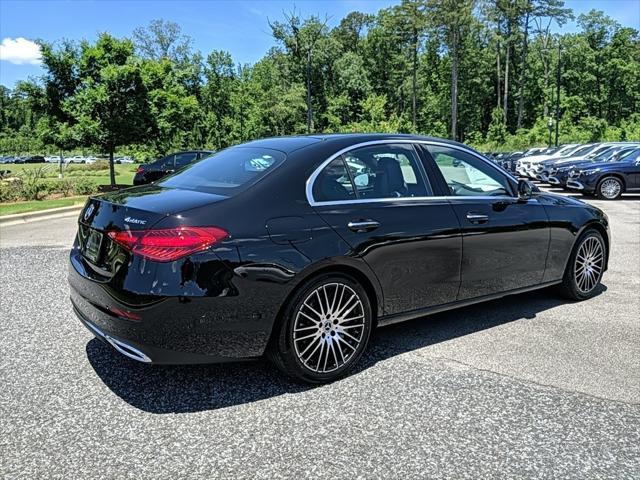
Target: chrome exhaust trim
x,y
122,347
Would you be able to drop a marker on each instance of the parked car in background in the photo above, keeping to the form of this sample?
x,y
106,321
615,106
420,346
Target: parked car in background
x,y
34,159
540,171
124,160
153,171
608,180
558,173
523,165
52,158
75,159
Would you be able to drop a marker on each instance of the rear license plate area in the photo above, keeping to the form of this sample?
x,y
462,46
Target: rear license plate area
x,y
92,246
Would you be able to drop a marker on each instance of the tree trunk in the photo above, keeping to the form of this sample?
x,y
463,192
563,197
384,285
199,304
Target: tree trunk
x,y
505,101
523,69
112,170
545,65
414,78
454,87
309,113
498,96
60,162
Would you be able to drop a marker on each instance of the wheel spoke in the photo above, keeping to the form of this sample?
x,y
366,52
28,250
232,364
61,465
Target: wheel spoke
x,y
317,344
322,344
340,350
347,327
351,336
306,336
341,312
345,320
326,356
313,310
346,343
335,297
312,327
320,304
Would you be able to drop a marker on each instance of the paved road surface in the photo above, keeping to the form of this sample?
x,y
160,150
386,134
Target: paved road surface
x,y
528,387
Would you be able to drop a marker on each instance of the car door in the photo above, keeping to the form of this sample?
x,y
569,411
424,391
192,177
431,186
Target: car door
x,y
504,240
378,200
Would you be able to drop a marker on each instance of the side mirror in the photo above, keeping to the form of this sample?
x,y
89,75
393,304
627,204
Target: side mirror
x,y
525,190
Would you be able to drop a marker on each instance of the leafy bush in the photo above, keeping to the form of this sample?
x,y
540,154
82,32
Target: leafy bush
x,y
84,186
98,166
10,191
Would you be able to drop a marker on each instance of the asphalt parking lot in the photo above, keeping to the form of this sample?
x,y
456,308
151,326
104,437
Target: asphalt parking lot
x,y
530,386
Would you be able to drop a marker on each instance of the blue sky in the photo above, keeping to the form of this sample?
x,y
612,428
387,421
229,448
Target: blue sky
x,y
239,27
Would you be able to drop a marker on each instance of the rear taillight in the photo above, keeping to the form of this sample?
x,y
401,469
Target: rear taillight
x,y
168,244
139,170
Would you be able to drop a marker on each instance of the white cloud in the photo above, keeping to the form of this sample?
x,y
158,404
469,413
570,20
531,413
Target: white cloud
x,y
20,51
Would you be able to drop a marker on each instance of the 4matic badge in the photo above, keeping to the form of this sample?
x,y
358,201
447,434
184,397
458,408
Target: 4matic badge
x,y
137,221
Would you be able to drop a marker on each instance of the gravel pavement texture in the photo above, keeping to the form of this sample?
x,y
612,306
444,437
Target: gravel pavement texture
x,y
530,386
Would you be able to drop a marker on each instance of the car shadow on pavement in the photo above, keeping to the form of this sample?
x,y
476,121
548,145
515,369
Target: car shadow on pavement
x,y
193,388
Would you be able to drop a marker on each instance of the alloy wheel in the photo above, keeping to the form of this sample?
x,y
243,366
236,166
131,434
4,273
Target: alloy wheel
x,y
589,264
610,188
328,327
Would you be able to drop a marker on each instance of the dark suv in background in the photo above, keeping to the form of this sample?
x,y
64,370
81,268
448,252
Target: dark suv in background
x,y
151,172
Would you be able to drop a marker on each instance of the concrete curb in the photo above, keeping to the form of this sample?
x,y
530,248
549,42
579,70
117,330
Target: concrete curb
x,y
18,218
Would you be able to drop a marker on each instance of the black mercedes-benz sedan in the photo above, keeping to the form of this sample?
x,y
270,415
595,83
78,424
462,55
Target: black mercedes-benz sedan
x,y
298,247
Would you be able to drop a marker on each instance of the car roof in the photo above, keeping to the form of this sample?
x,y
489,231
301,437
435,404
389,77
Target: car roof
x,y
290,144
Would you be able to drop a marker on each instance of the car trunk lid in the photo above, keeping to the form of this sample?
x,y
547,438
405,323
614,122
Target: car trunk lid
x,y
130,209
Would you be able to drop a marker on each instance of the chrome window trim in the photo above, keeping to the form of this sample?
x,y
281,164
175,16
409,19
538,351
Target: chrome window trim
x,y
316,172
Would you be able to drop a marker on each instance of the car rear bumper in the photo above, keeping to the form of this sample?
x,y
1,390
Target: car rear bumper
x,y
148,353
176,329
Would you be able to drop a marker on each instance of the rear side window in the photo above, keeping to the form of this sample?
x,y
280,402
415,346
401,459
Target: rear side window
x,y
376,172
166,162
333,183
227,172
183,159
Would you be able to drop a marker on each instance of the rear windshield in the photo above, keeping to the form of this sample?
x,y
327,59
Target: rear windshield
x,y
227,172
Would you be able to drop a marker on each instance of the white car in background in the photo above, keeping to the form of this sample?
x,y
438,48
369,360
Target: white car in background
x,y
525,164
124,160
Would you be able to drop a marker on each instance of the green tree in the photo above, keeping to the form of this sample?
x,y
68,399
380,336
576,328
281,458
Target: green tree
x,y
111,103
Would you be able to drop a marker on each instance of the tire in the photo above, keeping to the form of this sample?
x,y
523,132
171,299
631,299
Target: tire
x,y
580,281
324,330
609,188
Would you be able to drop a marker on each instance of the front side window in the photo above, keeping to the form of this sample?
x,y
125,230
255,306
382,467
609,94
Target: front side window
x,y
227,172
467,175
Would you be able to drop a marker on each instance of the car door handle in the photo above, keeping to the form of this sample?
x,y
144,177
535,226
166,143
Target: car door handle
x,y
363,225
477,217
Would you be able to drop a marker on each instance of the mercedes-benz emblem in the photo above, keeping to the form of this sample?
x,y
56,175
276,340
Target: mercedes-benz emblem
x,y
88,211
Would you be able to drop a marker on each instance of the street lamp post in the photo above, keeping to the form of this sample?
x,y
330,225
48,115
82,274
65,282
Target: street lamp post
x,y
550,127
